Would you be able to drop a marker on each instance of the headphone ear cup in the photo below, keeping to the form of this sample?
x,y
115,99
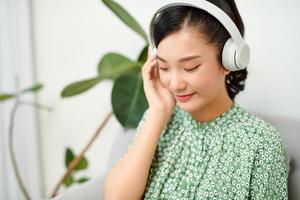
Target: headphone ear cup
x,y
232,59
228,55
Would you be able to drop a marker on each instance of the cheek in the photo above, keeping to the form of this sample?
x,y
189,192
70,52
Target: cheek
x,y
201,84
206,82
164,79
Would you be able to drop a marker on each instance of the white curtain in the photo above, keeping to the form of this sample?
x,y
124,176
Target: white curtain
x,y
16,61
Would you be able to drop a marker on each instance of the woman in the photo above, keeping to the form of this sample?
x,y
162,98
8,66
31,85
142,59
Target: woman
x,y
195,141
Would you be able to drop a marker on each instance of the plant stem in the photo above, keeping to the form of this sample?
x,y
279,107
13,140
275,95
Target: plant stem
x,y
11,150
77,159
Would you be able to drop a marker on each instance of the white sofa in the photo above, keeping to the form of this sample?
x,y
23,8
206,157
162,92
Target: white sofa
x,y
288,127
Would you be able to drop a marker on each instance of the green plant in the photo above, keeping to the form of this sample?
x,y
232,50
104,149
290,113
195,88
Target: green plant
x,y
19,102
128,98
83,164
18,94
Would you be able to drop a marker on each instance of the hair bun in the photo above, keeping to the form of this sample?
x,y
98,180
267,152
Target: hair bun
x,y
235,82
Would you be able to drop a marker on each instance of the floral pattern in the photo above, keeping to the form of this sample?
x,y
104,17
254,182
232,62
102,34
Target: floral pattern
x,y
235,156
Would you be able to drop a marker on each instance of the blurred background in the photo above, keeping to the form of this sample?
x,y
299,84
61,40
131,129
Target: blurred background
x,y
57,42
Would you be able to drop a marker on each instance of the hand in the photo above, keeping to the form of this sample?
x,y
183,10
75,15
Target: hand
x,y
159,98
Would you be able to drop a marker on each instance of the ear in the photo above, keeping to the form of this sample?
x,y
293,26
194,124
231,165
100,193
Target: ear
x,y
226,71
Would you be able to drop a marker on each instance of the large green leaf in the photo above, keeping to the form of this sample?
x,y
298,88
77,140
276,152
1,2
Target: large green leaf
x,y
4,97
33,88
126,18
128,99
143,55
113,65
79,87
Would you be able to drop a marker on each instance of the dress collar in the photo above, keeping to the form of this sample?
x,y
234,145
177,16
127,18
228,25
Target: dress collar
x,y
219,120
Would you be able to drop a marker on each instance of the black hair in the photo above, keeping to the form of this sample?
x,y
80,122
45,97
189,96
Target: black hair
x,y
175,18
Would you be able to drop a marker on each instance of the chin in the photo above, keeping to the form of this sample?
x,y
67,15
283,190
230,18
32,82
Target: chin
x,y
196,104
188,106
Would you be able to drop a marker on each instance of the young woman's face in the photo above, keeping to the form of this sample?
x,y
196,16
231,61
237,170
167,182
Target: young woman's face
x,y
189,66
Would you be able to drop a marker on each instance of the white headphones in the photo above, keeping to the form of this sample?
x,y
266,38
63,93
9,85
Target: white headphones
x,y
236,53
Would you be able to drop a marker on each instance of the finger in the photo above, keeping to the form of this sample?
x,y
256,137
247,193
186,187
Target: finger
x,y
151,57
156,75
148,64
148,70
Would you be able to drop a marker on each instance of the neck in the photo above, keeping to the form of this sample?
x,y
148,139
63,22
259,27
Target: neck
x,y
213,109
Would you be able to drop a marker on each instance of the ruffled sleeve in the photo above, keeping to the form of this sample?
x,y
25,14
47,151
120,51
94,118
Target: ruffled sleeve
x,y
269,173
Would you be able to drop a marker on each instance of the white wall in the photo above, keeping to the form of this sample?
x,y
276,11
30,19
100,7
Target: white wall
x,y
16,61
71,36
273,33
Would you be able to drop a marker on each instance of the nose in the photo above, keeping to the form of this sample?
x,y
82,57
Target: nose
x,y
177,83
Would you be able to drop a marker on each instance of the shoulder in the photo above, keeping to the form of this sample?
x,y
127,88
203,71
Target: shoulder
x,y
258,130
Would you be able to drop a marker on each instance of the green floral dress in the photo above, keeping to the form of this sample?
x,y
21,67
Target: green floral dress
x,y
235,156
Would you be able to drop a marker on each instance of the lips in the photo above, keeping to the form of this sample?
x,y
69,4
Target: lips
x,y
184,98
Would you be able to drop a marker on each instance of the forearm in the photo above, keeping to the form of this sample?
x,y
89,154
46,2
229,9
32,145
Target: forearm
x,y
127,180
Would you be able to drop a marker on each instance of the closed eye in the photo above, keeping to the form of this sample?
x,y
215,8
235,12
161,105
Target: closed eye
x,y
188,70
163,69
192,68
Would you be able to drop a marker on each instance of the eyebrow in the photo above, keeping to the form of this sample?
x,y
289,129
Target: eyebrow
x,y
181,59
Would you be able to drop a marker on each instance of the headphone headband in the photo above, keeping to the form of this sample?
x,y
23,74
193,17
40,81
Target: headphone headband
x,y
237,46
